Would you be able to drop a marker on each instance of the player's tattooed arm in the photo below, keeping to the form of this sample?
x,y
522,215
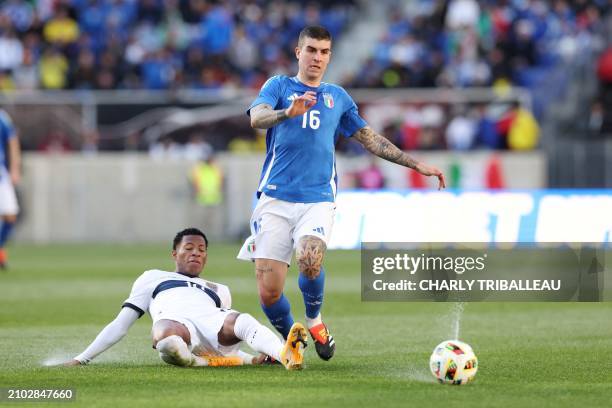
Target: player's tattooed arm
x,y
264,117
309,255
380,146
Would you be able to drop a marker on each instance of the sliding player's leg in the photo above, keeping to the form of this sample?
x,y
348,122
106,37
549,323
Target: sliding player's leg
x,y
172,340
244,327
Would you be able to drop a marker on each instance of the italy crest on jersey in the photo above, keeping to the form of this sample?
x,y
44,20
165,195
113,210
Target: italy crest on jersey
x,y
328,99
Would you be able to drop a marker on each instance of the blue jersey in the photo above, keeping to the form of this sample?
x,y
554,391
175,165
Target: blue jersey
x,y
7,132
300,163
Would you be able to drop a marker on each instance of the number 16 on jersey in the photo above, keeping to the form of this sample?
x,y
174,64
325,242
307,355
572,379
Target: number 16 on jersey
x,y
311,119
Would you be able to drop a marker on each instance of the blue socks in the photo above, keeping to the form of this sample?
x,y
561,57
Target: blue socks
x,y
279,315
312,291
5,231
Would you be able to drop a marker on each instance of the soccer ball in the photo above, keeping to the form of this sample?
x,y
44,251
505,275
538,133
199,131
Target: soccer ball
x,y
453,362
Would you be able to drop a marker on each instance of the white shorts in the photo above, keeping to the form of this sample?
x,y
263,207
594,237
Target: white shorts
x,y
204,331
8,199
277,226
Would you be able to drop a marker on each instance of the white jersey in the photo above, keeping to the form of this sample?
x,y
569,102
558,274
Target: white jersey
x,y
165,294
201,306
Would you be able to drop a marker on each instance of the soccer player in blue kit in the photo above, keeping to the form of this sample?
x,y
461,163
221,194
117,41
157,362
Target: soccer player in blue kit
x,y
10,175
304,118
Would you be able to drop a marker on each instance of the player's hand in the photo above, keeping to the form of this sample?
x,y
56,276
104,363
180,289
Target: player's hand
x,y
257,360
301,104
15,177
72,363
432,171
263,359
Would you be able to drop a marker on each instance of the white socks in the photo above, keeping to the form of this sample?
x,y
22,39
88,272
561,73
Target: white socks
x,y
257,336
310,323
174,350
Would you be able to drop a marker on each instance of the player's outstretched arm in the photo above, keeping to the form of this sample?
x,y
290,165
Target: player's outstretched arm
x,y
264,117
109,336
381,147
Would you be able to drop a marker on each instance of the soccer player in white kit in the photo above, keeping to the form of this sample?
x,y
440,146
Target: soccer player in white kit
x,y
304,118
193,323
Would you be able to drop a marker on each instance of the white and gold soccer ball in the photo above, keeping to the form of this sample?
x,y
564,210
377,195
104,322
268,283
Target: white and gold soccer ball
x,y
453,362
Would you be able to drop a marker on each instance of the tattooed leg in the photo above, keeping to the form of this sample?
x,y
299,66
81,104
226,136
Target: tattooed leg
x,y
309,255
312,283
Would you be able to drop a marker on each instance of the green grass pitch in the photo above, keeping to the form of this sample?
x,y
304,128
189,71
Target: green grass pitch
x,y
55,300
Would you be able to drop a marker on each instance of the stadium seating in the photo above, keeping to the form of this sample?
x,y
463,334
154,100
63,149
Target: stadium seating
x,y
154,44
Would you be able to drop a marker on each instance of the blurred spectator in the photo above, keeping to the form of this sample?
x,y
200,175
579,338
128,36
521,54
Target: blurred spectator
x,y
504,123
133,141
462,14
19,12
83,71
56,141
149,11
207,180
604,102
596,117
197,149
11,54
486,132
53,69
524,131
604,66
210,78
194,64
91,138
240,144
217,27
370,178
432,122
6,82
411,130
26,74
243,51
166,149
157,71
461,130
61,29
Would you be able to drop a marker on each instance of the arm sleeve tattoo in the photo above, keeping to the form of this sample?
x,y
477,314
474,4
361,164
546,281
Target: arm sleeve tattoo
x,y
383,148
264,117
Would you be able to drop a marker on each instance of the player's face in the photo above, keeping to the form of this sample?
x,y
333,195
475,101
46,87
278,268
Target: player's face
x,y
313,57
191,254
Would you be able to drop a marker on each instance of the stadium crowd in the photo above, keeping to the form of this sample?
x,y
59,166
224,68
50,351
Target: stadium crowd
x,y
153,44
199,44
465,43
487,43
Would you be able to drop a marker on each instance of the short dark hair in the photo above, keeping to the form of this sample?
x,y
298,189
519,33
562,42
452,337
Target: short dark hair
x,y
316,32
187,231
